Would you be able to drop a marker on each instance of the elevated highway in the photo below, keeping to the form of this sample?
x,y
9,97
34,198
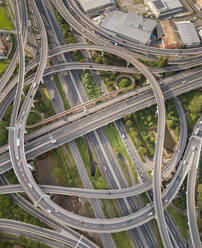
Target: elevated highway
x,y
191,186
70,48
99,32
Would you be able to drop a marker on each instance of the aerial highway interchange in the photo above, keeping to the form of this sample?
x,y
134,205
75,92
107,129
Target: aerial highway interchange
x,y
86,118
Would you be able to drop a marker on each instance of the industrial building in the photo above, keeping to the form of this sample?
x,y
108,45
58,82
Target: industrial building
x,y
179,34
161,8
95,6
171,38
188,34
129,26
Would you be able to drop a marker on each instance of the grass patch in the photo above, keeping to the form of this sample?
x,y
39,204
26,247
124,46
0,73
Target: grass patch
x,y
2,64
98,180
181,222
4,21
65,175
61,91
158,236
180,202
10,210
145,198
19,241
33,118
121,239
117,144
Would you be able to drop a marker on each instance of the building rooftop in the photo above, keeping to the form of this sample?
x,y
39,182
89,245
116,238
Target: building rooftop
x,y
171,38
159,4
89,5
132,19
173,4
131,25
187,32
148,25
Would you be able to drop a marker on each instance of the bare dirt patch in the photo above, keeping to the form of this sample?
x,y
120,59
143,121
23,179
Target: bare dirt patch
x,y
134,6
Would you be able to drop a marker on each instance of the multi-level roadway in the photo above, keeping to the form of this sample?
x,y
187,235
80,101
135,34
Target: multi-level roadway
x,y
196,143
98,32
18,120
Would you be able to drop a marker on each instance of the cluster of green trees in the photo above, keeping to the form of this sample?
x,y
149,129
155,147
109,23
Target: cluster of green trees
x,y
142,126
66,30
90,84
192,103
108,59
20,240
108,78
124,82
3,124
68,35
162,62
10,210
172,118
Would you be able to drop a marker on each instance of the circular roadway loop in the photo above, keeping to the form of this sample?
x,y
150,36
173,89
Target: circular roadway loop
x,y
158,152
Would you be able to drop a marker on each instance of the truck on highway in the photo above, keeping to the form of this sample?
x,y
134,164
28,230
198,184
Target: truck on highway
x,y
18,142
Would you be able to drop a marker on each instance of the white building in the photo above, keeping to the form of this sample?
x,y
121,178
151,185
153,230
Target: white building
x,y
188,33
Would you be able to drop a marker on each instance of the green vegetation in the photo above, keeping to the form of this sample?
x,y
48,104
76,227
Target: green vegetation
x,y
180,202
192,103
86,77
145,198
98,181
180,221
4,21
156,231
43,103
10,210
33,118
117,144
124,82
20,240
108,78
90,84
66,30
2,67
162,62
172,118
3,124
62,93
142,126
121,239
66,174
